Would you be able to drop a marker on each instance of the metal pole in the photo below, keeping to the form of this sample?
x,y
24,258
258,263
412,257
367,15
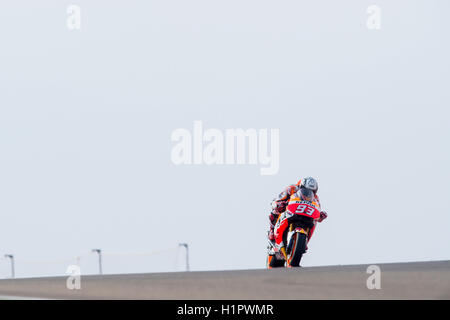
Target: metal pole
x,y
99,251
187,254
13,273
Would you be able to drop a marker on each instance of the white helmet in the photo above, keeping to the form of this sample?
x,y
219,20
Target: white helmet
x,y
310,183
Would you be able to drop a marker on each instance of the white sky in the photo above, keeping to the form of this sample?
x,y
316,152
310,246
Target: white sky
x,y
86,119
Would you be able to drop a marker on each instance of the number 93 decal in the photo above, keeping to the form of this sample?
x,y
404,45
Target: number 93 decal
x,y
303,208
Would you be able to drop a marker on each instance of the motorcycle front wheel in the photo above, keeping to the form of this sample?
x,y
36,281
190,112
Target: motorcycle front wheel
x,y
298,248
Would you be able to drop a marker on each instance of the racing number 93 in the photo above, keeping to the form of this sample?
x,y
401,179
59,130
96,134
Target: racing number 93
x,y
305,209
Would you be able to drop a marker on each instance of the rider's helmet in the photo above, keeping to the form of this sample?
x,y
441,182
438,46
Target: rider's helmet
x,y
306,195
309,183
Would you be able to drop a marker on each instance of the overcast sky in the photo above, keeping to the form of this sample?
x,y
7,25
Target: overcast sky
x,y
86,118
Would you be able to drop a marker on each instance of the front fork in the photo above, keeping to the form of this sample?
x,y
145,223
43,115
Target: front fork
x,y
291,229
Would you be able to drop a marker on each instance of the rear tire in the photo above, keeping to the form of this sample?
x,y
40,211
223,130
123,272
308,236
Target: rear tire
x,y
298,249
273,262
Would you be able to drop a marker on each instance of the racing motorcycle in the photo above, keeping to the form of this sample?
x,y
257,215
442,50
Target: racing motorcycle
x,y
298,219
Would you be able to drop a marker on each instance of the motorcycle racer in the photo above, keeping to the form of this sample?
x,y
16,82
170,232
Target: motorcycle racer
x,y
280,203
302,194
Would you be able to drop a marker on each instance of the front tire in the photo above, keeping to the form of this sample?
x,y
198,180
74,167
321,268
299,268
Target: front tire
x,y
298,248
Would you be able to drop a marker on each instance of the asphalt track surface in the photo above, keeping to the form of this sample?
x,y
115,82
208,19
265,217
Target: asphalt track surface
x,y
414,280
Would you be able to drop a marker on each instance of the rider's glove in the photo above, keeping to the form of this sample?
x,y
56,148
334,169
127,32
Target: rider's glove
x,y
323,216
